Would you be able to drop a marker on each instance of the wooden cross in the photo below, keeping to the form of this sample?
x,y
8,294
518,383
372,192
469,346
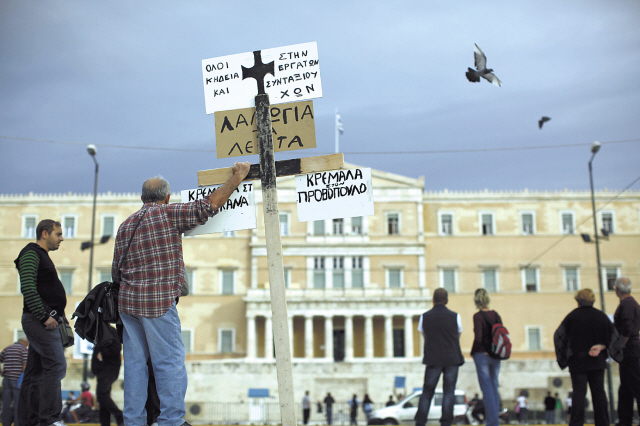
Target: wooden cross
x,y
267,172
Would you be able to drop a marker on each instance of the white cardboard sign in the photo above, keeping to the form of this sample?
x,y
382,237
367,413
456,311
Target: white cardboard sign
x,y
239,212
335,194
297,77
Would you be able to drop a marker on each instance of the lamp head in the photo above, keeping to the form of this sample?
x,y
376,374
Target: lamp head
x,y
595,147
92,150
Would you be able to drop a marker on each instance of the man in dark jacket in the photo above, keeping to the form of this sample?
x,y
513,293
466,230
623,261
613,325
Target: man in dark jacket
x,y
105,364
580,342
627,321
40,399
441,329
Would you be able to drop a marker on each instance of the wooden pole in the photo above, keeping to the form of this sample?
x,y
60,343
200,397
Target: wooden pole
x,y
274,259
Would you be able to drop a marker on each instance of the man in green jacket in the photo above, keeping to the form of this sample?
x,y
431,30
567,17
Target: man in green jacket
x,y
44,297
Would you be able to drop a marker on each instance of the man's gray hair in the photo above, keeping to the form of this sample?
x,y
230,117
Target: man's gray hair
x,y
623,284
155,189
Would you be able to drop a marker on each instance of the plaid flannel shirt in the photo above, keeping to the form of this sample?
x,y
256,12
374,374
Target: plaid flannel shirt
x,y
153,271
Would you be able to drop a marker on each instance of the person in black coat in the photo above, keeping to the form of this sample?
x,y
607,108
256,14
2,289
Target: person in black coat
x,y
580,343
105,364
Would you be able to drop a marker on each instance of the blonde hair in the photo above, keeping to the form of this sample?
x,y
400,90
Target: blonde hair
x,y
481,298
585,297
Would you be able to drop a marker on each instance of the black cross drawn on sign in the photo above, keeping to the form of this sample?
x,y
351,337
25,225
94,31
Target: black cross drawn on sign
x,y
258,71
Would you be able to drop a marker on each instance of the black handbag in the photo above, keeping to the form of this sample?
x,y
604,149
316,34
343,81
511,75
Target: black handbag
x,y
66,332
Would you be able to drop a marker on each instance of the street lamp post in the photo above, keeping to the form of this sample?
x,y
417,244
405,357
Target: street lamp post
x,y
595,147
92,150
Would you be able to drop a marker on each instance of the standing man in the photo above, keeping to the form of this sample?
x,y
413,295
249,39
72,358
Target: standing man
x,y
44,302
550,409
105,364
152,277
14,360
441,329
626,319
306,408
328,402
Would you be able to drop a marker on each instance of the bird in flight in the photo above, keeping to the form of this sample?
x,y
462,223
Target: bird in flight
x,y
481,69
542,121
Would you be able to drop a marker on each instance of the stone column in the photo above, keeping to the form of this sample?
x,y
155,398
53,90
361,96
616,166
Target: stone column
x,y
408,336
368,336
268,338
388,336
348,338
308,336
328,337
251,336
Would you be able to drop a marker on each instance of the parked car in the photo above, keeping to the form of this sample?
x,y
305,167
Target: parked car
x,y
404,412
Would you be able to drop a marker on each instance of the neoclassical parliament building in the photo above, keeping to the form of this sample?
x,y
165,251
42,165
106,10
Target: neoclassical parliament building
x,y
356,286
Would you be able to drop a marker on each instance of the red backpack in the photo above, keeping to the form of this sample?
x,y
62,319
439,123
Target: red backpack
x,y
500,340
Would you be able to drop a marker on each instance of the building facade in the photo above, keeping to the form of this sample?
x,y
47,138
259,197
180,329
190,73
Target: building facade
x,y
356,286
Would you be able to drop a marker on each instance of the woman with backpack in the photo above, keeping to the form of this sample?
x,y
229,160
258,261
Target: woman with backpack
x,y
487,364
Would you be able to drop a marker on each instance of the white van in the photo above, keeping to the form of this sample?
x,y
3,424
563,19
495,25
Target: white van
x,y
404,412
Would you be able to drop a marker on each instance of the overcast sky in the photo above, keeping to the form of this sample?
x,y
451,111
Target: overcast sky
x,y
126,76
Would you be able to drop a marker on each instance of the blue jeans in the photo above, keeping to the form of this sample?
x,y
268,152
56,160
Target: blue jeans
x,y
159,338
431,378
488,370
40,393
10,393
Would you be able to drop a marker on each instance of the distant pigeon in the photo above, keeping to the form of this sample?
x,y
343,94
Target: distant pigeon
x,y
482,70
542,121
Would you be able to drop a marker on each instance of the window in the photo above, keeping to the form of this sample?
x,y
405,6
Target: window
x,y
104,275
109,225
486,224
527,221
394,278
66,276
610,276
69,226
448,279
17,335
356,225
338,226
530,279
446,223
568,225
338,272
534,339
287,277
284,224
490,279
187,339
226,340
318,227
357,272
191,280
393,223
228,234
571,278
318,272
29,223
607,222
227,280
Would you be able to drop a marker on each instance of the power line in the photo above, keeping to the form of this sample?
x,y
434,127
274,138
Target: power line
x,y
437,151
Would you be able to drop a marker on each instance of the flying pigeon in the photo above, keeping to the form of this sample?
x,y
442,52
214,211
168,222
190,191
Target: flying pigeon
x,y
542,121
482,70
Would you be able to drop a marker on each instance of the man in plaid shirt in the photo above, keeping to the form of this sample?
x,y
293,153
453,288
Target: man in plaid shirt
x,y
152,275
